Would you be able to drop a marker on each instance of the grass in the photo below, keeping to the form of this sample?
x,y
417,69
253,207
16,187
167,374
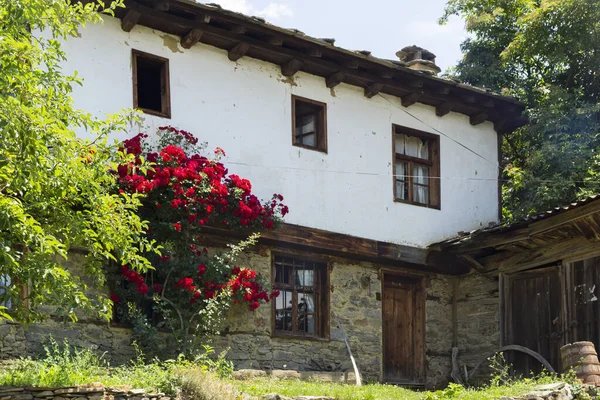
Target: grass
x,y
206,379
262,386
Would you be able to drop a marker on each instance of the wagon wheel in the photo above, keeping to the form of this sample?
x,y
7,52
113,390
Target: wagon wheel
x,y
515,347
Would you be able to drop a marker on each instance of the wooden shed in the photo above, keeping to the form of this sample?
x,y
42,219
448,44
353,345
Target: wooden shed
x,y
548,272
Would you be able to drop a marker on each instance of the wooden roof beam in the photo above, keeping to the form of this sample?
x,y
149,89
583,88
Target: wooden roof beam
x,y
478,118
373,89
191,38
275,41
289,68
238,51
161,6
130,19
333,80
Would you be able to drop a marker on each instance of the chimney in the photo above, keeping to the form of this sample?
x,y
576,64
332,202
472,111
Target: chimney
x,y
419,59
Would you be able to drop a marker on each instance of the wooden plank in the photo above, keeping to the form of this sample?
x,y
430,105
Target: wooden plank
x,y
238,51
290,67
130,19
191,38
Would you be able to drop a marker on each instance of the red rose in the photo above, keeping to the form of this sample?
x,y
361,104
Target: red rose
x,y
177,226
114,298
142,289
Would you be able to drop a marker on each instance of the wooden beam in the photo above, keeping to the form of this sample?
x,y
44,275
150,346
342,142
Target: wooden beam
x,y
444,91
238,51
315,52
373,89
443,109
161,6
191,38
352,64
238,30
130,20
416,83
290,67
204,18
410,99
351,247
333,80
275,41
478,118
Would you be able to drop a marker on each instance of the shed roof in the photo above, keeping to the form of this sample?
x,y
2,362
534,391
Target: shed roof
x,y
294,51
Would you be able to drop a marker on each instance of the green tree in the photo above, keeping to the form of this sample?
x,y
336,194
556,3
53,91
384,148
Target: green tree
x,y
546,54
56,191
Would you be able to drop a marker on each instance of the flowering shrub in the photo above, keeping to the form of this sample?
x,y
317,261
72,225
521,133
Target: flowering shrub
x,y
183,192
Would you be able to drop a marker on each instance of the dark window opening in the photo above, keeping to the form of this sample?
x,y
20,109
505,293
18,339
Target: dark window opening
x,y
151,84
309,124
302,307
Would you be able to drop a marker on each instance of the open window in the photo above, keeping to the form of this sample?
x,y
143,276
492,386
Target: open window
x,y
416,167
302,308
151,92
309,124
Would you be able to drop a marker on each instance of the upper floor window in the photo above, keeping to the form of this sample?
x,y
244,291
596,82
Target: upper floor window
x,y
151,92
416,167
302,308
309,124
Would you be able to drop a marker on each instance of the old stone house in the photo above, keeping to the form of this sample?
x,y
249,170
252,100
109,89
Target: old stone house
x,y
377,160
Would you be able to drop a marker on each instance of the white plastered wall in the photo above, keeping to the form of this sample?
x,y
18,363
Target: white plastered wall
x,y
245,108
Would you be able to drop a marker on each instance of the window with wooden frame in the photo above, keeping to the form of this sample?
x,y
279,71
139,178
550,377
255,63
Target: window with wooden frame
x,y
416,167
302,308
151,92
309,124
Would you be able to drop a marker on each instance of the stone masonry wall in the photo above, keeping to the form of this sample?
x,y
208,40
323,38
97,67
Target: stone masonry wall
x,y
355,310
478,320
355,305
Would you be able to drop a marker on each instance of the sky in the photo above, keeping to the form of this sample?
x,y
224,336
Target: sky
x,y
380,26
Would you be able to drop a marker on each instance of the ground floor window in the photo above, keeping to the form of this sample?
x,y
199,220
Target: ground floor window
x,y
302,308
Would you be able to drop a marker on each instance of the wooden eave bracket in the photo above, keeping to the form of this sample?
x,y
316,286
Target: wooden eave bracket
x,y
131,18
373,90
443,109
333,80
238,51
410,99
289,68
191,38
478,118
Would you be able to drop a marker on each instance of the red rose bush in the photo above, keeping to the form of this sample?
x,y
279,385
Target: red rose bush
x,y
189,289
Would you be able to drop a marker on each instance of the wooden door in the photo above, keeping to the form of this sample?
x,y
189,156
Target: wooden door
x,y
585,305
534,317
403,330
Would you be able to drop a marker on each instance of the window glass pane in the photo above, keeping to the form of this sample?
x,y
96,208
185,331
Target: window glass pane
x,y
306,303
412,146
309,140
304,277
307,123
306,324
421,194
283,311
400,143
421,174
4,288
401,190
